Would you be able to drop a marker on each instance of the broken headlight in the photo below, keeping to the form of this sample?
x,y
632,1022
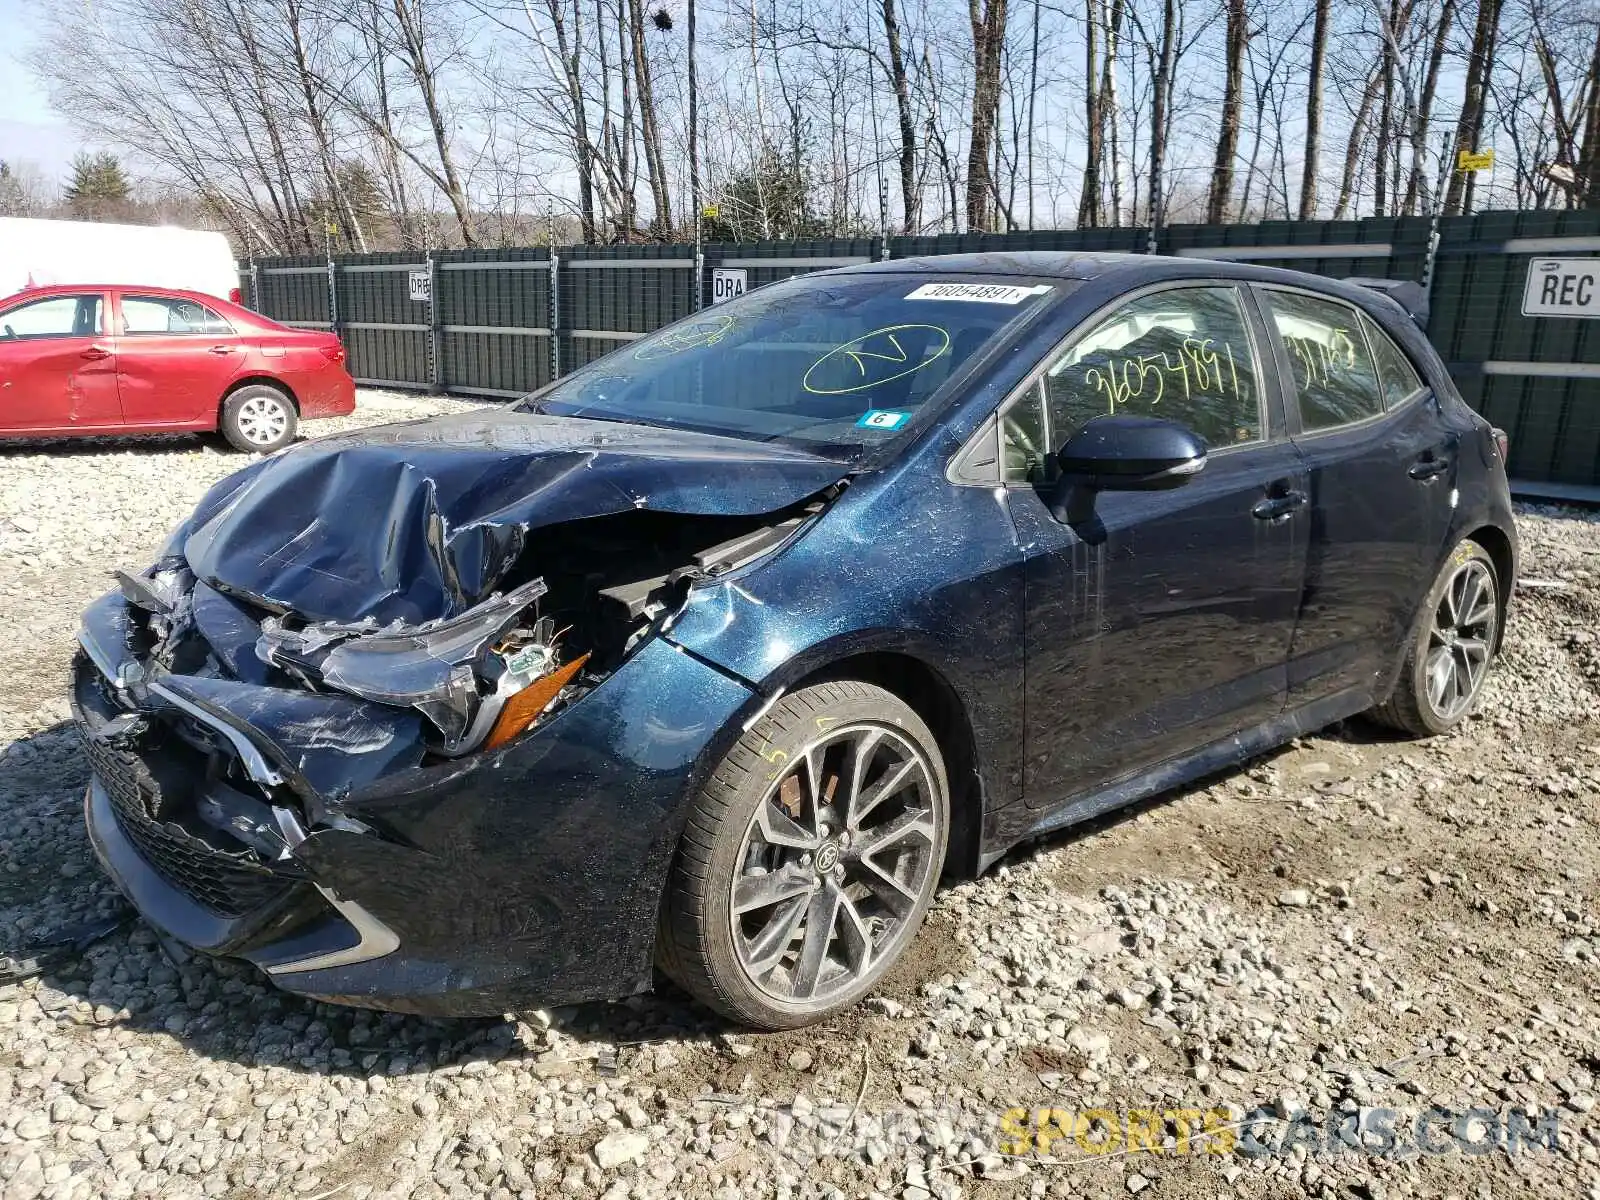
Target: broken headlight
x,y
462,673
165,593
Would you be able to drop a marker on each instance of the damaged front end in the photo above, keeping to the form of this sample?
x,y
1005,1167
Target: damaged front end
x,y
459,673
315,794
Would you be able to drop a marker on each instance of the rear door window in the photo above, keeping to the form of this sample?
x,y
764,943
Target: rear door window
x,y
1331,368
1398,377
170,315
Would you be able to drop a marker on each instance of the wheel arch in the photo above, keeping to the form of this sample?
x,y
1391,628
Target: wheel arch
x,y
251,381
931,696
1497,545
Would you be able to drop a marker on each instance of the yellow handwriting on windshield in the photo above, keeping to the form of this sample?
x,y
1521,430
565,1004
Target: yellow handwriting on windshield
x,y
685,337
875,358
1199,366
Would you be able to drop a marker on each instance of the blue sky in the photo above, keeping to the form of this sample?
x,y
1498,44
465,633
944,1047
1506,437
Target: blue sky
x,y
29,131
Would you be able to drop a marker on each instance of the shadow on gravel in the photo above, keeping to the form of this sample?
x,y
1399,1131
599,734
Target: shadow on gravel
x,y
225,1009
161,443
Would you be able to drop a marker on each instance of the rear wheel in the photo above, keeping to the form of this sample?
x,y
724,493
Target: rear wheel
x,y
809,859
258,419
1451,645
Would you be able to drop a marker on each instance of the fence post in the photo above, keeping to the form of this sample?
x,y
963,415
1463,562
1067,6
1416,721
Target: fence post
x,y
333,296
555,292
555,314
435,364
255,282
883,217
1446,166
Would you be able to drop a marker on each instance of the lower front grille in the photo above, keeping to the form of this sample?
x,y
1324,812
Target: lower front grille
x,y
228,883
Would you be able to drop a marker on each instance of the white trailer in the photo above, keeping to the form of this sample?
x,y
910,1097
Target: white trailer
x,y
34,253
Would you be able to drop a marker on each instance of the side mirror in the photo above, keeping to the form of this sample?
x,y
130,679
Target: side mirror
x,y
1129,453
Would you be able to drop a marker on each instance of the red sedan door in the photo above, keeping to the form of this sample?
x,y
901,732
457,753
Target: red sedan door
x,y
58,370
175,359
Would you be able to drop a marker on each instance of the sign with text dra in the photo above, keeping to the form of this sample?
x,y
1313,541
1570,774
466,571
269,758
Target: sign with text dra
x,y
726,283
1562,287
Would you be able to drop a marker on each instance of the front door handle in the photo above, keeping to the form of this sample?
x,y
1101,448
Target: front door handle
x,y
94,353
1428,467
1278,509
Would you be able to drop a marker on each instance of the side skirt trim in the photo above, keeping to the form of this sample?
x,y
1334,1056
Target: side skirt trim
x,y
1209,760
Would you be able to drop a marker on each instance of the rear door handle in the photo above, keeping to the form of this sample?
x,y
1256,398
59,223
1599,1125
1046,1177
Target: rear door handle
x,y
94,353
222,349
1278,508
1429,466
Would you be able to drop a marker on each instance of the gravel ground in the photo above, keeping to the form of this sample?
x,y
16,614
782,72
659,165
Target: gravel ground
x,y
1352,923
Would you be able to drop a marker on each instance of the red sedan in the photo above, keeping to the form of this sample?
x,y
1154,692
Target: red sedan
x,y
116,360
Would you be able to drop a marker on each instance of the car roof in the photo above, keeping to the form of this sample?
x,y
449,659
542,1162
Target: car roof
x,y
1052,263
56,289
1134,270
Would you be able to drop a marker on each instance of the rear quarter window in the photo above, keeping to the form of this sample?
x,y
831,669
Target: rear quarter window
x,y
1396,374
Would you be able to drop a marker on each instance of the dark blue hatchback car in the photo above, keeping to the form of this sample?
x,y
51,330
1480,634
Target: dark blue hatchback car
x,y
715,655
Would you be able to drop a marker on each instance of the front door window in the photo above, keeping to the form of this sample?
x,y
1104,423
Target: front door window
x,y
1181,354
52,317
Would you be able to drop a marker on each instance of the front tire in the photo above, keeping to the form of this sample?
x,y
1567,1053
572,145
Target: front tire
x,y
809,859
1452,644
258,419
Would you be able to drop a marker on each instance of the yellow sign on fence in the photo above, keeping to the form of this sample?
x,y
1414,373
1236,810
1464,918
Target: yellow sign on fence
x,y
1475,160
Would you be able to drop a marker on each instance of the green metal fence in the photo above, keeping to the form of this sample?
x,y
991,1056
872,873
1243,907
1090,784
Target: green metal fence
x,y
501,322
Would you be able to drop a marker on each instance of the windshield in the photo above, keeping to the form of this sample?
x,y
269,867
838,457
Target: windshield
x,y
831,363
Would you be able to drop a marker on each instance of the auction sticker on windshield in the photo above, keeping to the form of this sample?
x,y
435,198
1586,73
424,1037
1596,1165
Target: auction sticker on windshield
x,y
1562,287
982,293
882,418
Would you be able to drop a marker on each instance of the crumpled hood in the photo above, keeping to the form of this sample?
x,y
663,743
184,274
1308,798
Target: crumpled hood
x,y
422,521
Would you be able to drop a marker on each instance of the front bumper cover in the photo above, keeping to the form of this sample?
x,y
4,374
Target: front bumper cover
x,y
530,875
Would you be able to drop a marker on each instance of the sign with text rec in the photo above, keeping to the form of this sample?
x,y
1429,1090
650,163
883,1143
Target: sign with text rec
x,y
1562,287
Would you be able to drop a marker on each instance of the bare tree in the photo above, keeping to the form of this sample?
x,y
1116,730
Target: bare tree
x,y
24,191
649,127
899,82
1238,37
1417,190
1094,126
988,20
1313,143
305,126
1469,126
1354,144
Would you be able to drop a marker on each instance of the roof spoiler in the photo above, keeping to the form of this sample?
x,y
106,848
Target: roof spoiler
x,y
1410,297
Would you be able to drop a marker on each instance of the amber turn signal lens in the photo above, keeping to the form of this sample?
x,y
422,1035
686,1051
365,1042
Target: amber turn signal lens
x,y
524,708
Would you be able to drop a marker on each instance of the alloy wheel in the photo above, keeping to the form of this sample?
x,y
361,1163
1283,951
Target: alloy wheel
x,y
1461,639
262,420
835,861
